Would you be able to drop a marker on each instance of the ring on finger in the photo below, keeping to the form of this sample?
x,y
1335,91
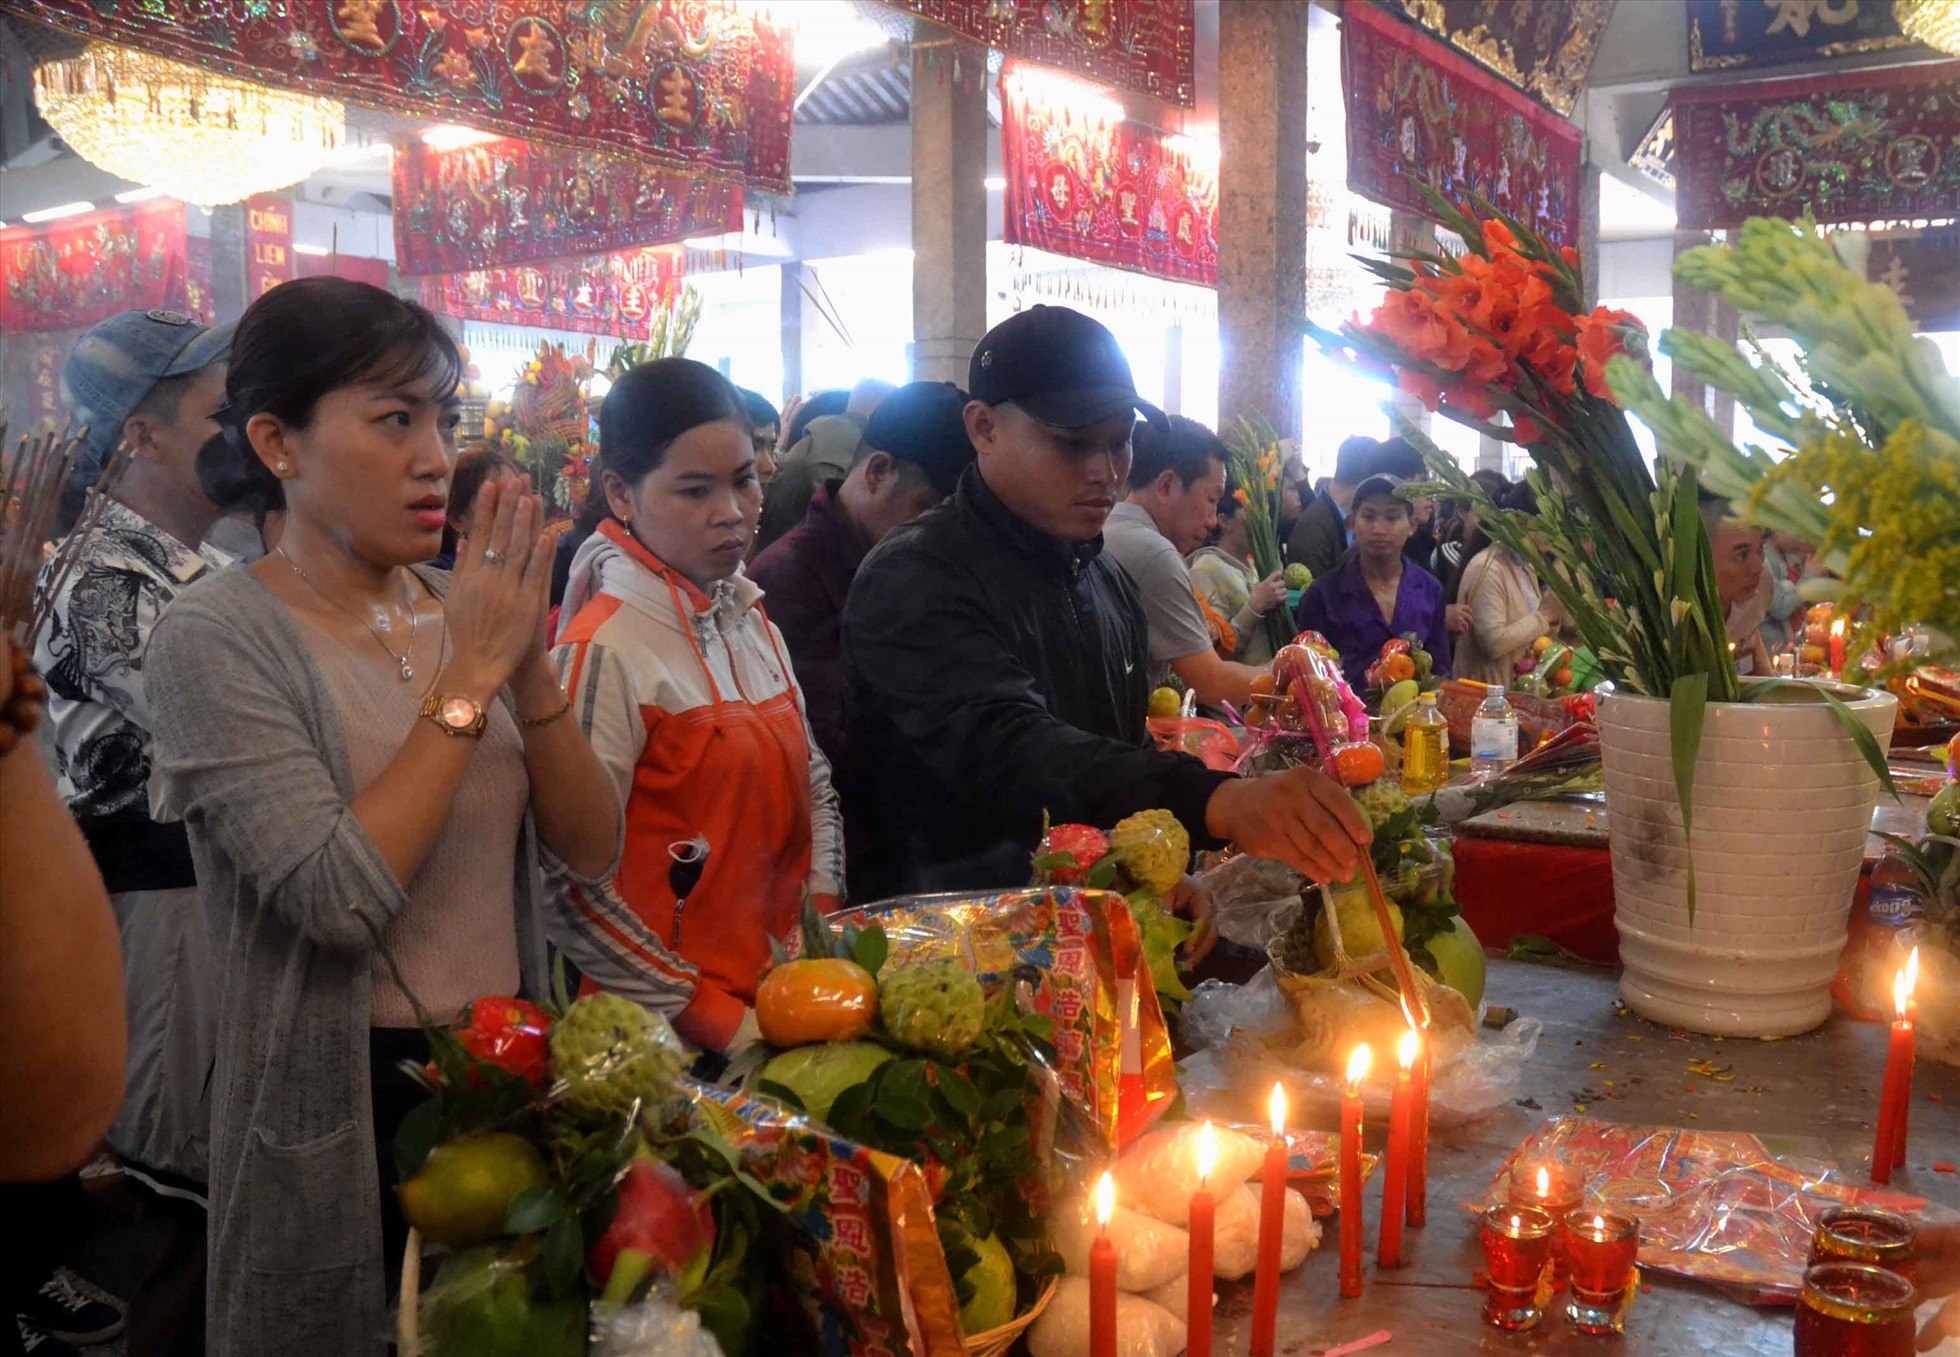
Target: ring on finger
x,y
493,556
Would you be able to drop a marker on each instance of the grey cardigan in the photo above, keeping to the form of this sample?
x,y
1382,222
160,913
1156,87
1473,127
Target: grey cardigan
x,y
249,754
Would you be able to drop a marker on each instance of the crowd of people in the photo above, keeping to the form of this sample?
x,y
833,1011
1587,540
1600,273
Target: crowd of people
x,y
343,734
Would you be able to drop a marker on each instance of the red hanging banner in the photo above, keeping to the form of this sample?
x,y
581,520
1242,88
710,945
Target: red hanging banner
x,y
1866,146
1110,191
698,86
1419,113
1141,45
268,244
607,294
512,202
79,270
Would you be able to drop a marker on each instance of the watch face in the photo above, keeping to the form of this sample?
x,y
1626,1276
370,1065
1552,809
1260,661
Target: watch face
x,y
458,713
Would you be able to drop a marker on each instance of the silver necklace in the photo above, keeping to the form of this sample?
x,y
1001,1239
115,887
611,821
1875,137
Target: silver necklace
x,y
408,672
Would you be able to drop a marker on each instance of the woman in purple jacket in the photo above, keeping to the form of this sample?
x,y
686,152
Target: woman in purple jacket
x,y
1376,594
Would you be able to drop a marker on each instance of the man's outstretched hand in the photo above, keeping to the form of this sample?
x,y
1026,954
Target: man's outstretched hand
x,y
1299,817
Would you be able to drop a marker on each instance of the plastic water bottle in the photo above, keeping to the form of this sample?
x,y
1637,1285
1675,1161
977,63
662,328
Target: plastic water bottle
x,y
1425,749
1493,736
1895,899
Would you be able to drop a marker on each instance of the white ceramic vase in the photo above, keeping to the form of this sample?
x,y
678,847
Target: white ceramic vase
x,y
1782,807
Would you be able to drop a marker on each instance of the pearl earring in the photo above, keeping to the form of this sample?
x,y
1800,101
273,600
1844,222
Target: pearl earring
x,y
285,467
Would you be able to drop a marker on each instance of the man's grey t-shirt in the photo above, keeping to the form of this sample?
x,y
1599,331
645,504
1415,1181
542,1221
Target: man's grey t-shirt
x,y
1177,625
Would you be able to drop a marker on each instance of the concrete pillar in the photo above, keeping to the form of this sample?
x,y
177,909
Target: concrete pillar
x,y
1588,242
1174,369
1704,313
1262,210
949,204
229,260
790,310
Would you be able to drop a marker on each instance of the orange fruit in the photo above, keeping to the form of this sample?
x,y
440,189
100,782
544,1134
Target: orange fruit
x,y
1562,677
1395,668
1262,683
816,999
1358,764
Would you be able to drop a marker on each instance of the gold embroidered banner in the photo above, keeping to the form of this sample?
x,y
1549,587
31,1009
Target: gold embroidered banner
x,y
1723,34
1544,47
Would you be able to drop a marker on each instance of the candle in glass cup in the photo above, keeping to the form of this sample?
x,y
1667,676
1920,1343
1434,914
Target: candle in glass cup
x,y
1395,1168
1197,1328
1865,1234
1898,1073
1600,1248
1855,1310
1102,1275
1557,1190
1351,1223
1272,1227
1517,1244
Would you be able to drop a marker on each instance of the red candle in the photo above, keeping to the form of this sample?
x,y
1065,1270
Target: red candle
x,y
1351,1226
1272,1223
1892,1100
1395,1175
1102,1275
1557,1190
1837,648
1602,1247
1912,1055
1197,1329
1417,1210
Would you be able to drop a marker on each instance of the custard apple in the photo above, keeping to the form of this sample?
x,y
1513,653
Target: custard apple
x,y
1153,848
611,1054
1298,576
936,1007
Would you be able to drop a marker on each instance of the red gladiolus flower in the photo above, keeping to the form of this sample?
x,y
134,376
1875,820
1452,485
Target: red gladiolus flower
x,y
1498,239
1569,255
1525,430
1600,337
1422,386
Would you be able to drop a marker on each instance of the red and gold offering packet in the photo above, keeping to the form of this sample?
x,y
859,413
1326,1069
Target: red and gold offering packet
x,y
1082,956
866,1262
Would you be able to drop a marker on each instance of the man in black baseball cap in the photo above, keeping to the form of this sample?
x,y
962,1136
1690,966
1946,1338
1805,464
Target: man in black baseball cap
x,y
914,450
998,663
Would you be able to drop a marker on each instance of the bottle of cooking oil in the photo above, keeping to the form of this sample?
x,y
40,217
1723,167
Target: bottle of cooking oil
x,y
1425,749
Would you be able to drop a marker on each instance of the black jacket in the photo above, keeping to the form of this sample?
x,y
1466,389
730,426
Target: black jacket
x,y
994,673
1320,536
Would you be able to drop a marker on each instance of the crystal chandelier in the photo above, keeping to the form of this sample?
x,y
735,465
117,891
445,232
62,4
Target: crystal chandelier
x,y
1933,22
197,135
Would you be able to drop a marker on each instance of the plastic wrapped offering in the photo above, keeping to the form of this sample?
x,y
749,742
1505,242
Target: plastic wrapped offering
x,y
1158,1174
1143,1327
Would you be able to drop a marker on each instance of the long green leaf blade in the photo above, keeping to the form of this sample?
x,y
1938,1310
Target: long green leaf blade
x,y
1687,709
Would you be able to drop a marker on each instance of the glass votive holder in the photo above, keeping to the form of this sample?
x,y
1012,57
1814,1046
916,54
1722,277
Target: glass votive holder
x,y
1600,1248
1560,1194
1517,1244
1855,1310
1865,1234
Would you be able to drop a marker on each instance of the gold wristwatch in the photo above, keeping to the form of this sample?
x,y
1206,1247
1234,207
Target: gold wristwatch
x,y
458,716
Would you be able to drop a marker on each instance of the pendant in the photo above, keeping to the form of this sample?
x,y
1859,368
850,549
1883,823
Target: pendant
x,y
408,675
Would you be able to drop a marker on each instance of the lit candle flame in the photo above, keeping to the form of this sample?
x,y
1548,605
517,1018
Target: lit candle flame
x,y
1105,1200
1599,1224
1405,1049
1517,1223
1837,627
1276,1107
1358,1065
1544,1182
1207,1155
1901,992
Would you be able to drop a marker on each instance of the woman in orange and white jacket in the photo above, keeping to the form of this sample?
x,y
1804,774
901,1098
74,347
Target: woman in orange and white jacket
x,y
684,689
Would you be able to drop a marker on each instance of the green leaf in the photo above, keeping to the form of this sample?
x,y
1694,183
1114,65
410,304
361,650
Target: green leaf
x,y
1102,875
1687,709
561,990
849,1110
959,1092
563,1258
872,948
415,1137
1001,1105
907,1114
1047,864
724,1313
534,1209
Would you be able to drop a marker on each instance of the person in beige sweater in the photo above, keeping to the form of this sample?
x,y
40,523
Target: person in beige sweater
x,y
1507,610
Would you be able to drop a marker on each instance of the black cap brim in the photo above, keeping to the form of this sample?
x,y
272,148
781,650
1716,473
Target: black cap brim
x,y
1079,407
1377,487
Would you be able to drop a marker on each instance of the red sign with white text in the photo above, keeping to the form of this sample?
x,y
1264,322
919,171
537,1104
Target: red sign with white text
x,y
268,244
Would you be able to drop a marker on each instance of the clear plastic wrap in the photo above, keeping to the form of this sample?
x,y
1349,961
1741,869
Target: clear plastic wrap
x,y
1718,1206
1253,900
1248,1037
655,1327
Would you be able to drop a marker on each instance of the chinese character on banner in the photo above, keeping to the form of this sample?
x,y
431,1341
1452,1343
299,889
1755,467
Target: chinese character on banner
x,y
268,244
